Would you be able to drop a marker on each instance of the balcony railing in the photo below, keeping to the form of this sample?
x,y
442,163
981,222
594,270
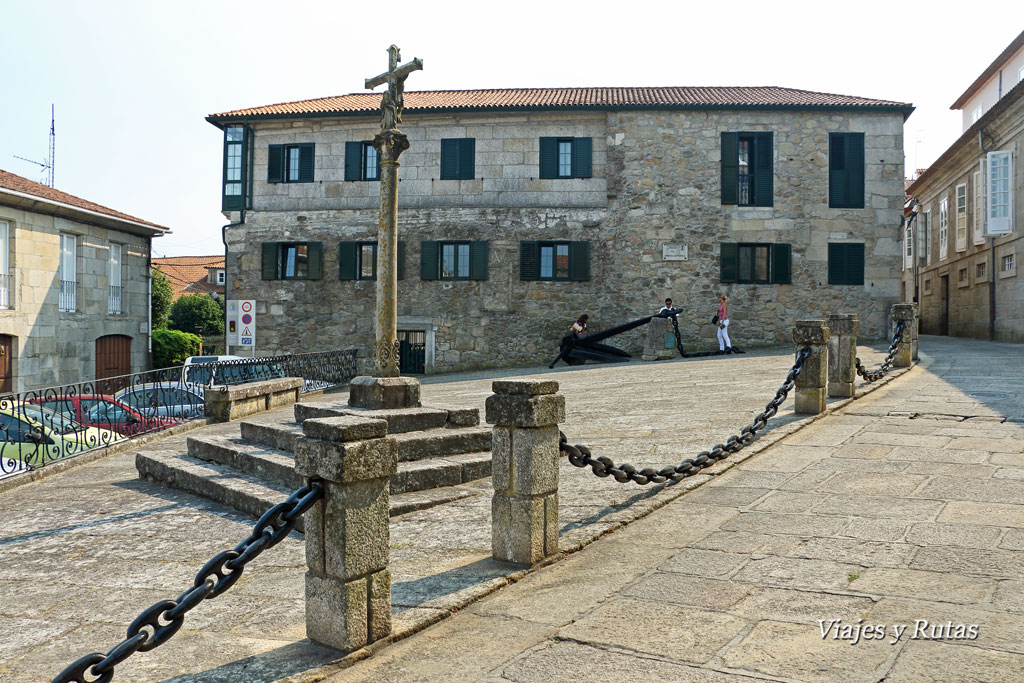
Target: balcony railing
x,y
114,301
5,291
68,295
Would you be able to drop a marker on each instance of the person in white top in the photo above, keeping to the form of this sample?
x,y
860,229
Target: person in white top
x,y
666,307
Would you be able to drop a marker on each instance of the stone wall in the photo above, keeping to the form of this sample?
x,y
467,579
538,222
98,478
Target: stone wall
x,y
657,183
56,347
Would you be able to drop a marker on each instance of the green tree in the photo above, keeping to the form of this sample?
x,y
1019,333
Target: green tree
x,y
161,301
198,313
172,347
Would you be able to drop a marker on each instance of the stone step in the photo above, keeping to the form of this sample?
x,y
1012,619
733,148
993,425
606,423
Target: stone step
x,y
441,443
271,432
263,462
249,495
432,473
400,420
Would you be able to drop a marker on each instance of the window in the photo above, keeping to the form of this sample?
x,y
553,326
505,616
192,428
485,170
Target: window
x,y
1020,74
979,203
114,299
457,158
979,272
961,217
219,277
453,260
362,161
1007,263
963,277
566,157
233,198
291,163
68,273
943,228
292,261
564,261
976,114
846,263
1000,197
748,263
928,285
747,174
358,260
908,248
846,170
926,235
5,266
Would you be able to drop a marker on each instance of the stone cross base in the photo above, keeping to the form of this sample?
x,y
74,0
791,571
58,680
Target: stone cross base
x,y
842,354
524,509
377,393
812,381
654,346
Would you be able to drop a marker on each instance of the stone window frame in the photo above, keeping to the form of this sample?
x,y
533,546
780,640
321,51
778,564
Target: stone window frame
x,y
982,263
1007,255
963,277
927,286
960,194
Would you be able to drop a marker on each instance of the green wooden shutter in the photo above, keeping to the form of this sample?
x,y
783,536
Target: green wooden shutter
x,y
582,155
478,260
763,172
315,253
855,170
846,264
449,159
549,157
730,262
855,263
782,264
353,161
579,261
837,170
347,252
270,252
467,158
306,158
275,164
730,168
529,263
428,260
401,259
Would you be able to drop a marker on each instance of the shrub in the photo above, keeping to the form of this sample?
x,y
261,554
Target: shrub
x,y
172,347
193,312
161,300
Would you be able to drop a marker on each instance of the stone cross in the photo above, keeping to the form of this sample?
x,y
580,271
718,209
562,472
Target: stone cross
x,y
390,143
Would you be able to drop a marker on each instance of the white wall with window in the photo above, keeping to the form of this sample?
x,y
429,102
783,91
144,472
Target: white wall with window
x,y
5,264
68,298
114,298
944,228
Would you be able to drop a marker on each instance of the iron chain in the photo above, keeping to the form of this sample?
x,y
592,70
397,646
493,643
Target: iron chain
x,y
602,466
160,621
875,375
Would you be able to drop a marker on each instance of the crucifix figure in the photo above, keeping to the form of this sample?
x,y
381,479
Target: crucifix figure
x,y
390,143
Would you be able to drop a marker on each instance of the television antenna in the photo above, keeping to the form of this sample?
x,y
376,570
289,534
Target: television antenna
x,y
48,164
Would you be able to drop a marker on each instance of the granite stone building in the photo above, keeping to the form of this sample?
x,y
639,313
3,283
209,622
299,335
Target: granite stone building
x,y
74,288
521,209
962,250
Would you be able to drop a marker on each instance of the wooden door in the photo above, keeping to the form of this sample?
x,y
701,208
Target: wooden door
x,y
6,363
113,359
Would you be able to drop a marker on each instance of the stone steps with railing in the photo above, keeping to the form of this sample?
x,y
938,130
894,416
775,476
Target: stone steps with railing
x,y
443,456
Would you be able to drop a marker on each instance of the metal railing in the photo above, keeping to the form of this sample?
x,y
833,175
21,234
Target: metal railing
x,y
114,300
68,295
47,425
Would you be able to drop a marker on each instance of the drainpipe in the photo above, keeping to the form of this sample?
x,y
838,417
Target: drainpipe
x,y
992,259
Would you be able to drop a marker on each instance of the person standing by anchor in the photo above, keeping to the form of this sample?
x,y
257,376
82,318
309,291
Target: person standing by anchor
x,y
667,307
580,326
568,341
722,319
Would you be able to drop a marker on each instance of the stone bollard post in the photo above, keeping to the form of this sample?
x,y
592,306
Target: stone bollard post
x,y
812,380
524,510
906,351
348,584
842,354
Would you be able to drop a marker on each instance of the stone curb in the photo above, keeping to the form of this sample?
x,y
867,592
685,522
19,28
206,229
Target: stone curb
x,y
640,511
92,456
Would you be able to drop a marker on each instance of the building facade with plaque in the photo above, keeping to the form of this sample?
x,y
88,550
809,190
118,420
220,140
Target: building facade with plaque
x,y
518,210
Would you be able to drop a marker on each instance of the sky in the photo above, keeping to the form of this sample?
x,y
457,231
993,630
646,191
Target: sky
x,y
132,81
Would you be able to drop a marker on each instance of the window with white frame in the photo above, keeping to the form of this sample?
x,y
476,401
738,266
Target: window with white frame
x,y
979,204
67,299
5,269
926,235
943,228
1020,74
1007,262
999,182
908,248
961,217
220,277
114,298
976,114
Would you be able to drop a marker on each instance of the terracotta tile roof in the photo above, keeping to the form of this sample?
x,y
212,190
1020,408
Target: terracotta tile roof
x,y
9,181
189,274
569,98
1012,48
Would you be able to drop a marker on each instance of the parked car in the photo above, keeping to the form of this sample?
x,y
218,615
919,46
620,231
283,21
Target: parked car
x,y
199,372
105,412
164,401
36,435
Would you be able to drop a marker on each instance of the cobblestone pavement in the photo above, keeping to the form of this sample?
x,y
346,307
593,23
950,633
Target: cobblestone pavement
x,y
83,552
903,509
